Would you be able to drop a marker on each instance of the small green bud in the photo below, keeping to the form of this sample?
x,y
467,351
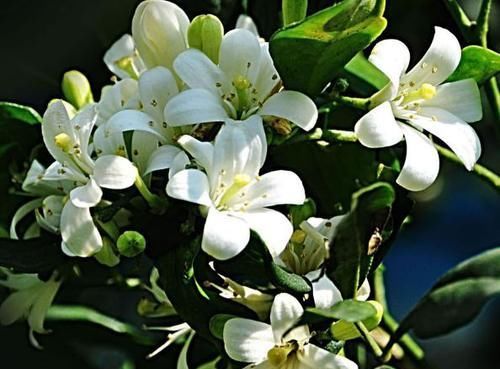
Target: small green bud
x,y
205,33
344,331
300,213
76,89
131,243
106,255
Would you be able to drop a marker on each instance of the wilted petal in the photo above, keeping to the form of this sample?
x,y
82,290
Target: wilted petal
x,y
440,60
114,172
285,313
247,340
421,165
17,305
224,236
86,196
42,304
190,185
80,237
378,128
313,357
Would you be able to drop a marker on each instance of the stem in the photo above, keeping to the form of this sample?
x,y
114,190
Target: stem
x,y
493,94
372,344
481,171
329,135
354,102
154,201
482,22
460,18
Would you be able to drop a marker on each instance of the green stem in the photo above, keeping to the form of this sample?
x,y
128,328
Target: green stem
x,y
154,201
354,102
482,22
493,94
85,314
461,18
481,171
372,344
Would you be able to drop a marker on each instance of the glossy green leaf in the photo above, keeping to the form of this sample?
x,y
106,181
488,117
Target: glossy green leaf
x,y
478,63
217,323
351,251
349,310
9,110
300,213
293,11
288,281
311,53
363,76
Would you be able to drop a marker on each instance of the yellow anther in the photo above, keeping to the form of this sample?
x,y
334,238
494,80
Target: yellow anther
x,y
298,236
64,142
127,64
120,151
277,356
427,91
239,181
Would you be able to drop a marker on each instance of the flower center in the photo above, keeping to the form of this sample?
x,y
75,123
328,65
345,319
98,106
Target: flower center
x,y
425,92
239,181
64,142
127,64
278,355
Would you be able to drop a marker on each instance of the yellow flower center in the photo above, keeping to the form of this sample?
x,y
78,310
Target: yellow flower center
x,y
239,181
64,142
278,355
425,92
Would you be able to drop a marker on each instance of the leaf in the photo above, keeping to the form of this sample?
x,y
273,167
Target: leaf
x,y
36,255
478,63
363,76
457,298
287,281
350,254
349,310
217,323
311,53
9,110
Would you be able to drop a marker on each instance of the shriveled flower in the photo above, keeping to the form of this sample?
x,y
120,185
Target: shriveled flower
x,y
279,344
418,101
235,196
244,83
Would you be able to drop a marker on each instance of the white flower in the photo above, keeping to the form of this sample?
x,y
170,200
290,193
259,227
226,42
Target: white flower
x,y
31,299
67,140
244,83
418,101
235,195
123,59
275,345
159,29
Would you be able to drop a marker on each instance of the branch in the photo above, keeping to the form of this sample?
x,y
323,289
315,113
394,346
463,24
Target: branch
x,y
482,22
461,19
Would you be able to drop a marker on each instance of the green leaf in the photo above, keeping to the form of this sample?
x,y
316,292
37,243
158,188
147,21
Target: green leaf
x,y
287,281
363,76
293,11
217,323
36,255
457,298
311,53
9,110
349,310
350,255
478,63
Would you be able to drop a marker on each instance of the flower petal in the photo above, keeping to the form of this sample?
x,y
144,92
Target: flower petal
x,y
456,133
162,158
392,58
239,53
194,106
41,305
313,357
440,60
190,185
86,196
325,293
143,145
274,188
285,313
247,340
378,128
179,163
114,172
80,237
421,165
273,227
202,152
156,87
460,98
122,95
17,305
266,78
293,106
124,47
246,22
56,121
133,120
224,236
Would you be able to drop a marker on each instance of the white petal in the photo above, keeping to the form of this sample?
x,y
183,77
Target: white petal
x,y
275,188
79,234
122,95
190,185
20,213
202,152
293,106
86,196
285,313
239,53
364,291
56,121
273,227
198,71
156,87
421,165
108,144
457,134
378,128
440,60
143,145
179,163
247,340
392,58
325,293
133,120
246,22
460,98
124,47
224,236
313,357
162,158
194,106
266,78
114,172
82,124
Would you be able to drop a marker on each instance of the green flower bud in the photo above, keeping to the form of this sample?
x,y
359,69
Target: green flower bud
x,y
344,331
76,89
205,33
131,243
106,255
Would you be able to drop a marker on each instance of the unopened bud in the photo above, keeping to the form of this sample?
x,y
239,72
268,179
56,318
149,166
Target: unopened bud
x,y
205,34
131,243
343,330
76,89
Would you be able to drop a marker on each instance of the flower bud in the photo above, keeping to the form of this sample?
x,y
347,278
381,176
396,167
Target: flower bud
x,y
205,34
159,29
131,243
76,89
343,330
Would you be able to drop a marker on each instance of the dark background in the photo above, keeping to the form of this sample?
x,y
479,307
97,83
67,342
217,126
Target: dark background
x,y
455,219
